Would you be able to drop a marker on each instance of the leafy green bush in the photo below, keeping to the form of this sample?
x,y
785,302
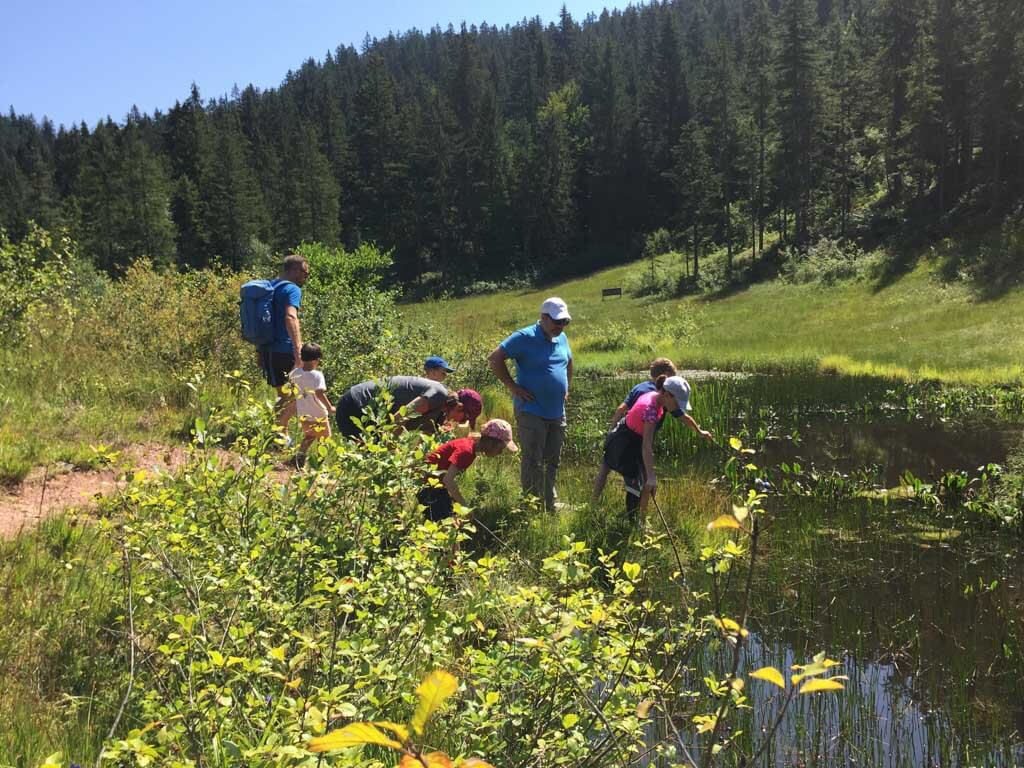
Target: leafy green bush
x,y
271,614
267,620
830,261
38,275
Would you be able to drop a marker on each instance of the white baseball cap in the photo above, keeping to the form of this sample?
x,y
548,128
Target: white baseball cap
x,y
679,388
555,308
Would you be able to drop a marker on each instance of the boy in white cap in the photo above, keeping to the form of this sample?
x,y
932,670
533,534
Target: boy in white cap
x,y
541,387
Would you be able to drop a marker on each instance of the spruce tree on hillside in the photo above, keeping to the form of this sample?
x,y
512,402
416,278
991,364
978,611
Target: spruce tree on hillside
x,y
235,209
147,229
99,190
374,133
759,90
697,188
190,148
798,113
665,109
1001,103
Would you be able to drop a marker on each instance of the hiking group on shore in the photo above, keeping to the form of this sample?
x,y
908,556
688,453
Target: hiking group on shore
x,y
540,390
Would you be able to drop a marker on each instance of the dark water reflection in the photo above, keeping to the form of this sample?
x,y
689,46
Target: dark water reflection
x,y
929,631
889,448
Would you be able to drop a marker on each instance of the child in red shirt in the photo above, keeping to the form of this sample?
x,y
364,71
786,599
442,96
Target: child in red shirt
x,y
455,456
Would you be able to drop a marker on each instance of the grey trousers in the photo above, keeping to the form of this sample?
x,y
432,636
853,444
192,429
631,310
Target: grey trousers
x,y
540,445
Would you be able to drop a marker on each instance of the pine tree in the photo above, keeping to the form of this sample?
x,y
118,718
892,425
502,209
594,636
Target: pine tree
x,y
373,139
147,229
98,191
235,211
759,46
798,113
697,187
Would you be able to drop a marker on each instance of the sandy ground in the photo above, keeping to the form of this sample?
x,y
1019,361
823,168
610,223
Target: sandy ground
x,y
55,487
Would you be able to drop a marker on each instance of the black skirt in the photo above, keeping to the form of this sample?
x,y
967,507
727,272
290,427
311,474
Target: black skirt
x,y
623,451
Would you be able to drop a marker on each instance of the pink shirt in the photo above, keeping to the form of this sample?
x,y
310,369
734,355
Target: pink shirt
x,y
644,411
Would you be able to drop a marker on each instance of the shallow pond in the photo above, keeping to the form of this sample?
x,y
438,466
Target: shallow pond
x,y
887,449
928,622
929,625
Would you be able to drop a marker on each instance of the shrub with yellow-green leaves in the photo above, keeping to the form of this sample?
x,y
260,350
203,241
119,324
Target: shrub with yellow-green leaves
x,y
288,620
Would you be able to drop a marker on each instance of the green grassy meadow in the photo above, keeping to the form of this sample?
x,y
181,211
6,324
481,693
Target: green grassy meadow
x,y
916,326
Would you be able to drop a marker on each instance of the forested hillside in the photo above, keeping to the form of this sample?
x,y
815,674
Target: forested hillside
x,y
544,149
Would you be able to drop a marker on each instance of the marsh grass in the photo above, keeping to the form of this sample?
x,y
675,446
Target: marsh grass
x,y
914,328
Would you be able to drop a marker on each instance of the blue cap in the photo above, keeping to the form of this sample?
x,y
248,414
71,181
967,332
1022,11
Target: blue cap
x,y
437,362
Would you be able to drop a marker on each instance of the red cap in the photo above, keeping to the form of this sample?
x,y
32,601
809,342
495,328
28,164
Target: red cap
x,y
472,403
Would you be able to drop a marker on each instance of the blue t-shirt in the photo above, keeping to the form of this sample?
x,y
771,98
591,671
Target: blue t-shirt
x,y
642,389
542,367
286,295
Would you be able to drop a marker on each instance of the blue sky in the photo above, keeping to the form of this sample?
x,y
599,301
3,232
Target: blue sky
x,y
72,60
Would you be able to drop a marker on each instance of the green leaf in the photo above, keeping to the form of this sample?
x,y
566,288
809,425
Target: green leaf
x,y
435,688
353,735
568,721
632,570
771,674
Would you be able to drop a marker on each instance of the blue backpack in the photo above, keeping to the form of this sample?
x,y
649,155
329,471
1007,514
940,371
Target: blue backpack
x,y
256,306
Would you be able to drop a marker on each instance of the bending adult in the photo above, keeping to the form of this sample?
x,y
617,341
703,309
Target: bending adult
x,y
285,350
541,387
428,403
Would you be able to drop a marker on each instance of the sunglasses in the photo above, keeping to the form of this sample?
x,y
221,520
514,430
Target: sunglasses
x,y
561,323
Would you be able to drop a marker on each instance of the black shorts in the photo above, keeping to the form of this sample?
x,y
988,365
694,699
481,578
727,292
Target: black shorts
x,y
345,411
438,502
281,364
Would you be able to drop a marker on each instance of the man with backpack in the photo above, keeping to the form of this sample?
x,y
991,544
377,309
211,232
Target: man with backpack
x,y
270,321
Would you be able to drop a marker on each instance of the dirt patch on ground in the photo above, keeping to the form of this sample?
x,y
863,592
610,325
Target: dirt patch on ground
x,y
55,487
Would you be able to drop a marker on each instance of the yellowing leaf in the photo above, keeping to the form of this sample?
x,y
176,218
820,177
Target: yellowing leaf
x,y
277,653
818,666
435,688
740,513
771,674
428,760
568,721
705,723
632,570
352,735
399,730
735,443
644,708
475,762
723,521
817,685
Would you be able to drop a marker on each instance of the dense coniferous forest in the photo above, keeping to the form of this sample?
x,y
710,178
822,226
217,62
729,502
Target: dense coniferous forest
x,y
477,153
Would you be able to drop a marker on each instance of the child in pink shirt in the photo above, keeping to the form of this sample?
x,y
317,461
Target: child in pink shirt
x,y
630,449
